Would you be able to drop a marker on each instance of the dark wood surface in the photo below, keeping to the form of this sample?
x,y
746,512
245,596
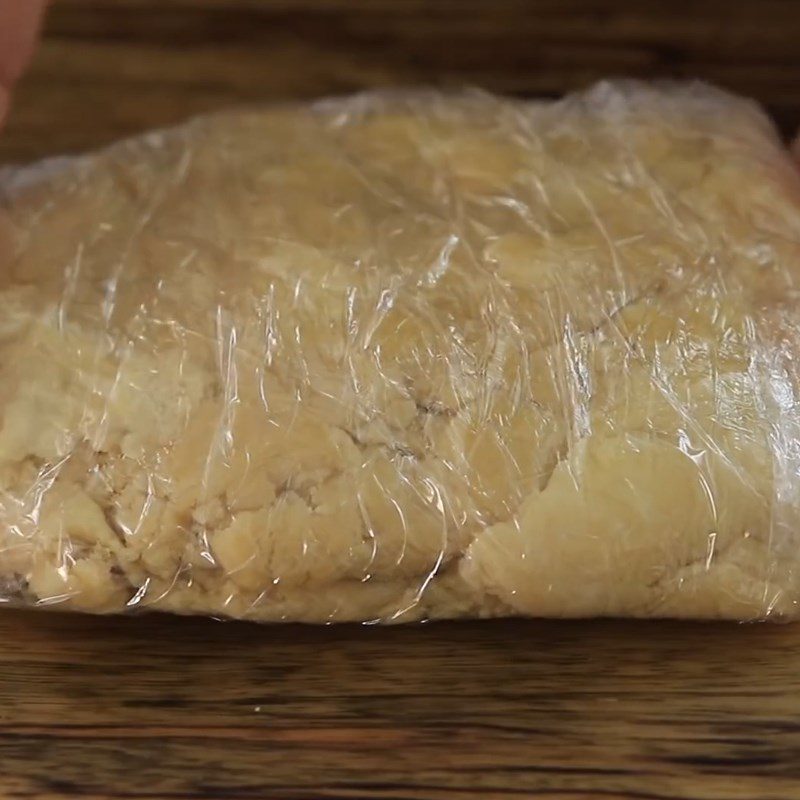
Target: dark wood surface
x,y
112,67
167,708
162,707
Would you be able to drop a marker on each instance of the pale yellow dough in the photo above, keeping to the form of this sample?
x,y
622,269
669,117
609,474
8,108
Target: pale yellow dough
x,y
397,357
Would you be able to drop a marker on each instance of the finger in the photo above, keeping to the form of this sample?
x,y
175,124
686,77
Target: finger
x,y
20,21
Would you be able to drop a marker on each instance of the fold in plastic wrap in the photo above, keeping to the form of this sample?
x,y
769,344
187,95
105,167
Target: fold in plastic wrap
x,y
410,356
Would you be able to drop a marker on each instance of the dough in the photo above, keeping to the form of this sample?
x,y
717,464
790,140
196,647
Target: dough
x,y
409,356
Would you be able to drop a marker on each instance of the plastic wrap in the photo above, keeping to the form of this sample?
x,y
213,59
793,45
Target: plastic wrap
x,y
408,356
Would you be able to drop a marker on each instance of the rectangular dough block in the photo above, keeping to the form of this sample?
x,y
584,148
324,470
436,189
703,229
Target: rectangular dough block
x,y
407,356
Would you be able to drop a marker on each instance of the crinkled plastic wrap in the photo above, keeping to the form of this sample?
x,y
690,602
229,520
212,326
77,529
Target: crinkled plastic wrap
x,y
409,356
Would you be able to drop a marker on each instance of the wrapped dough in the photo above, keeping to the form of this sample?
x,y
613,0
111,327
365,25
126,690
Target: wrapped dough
x,y
398,357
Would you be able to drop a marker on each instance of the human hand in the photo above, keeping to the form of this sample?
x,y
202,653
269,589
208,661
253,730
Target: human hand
x,y
20,21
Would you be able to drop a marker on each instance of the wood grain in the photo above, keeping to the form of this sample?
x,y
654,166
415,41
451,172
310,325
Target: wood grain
x,y
186,708
167,708
109,68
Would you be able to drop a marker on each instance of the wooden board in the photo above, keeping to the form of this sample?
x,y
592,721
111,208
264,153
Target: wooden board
x,y
162,707
166,708
112,67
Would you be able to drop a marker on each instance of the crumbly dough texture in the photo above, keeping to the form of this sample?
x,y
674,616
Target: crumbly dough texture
x,y
409,356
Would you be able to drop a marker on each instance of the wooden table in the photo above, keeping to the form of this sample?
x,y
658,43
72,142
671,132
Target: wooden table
x,y
162,707
165,708
112,67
